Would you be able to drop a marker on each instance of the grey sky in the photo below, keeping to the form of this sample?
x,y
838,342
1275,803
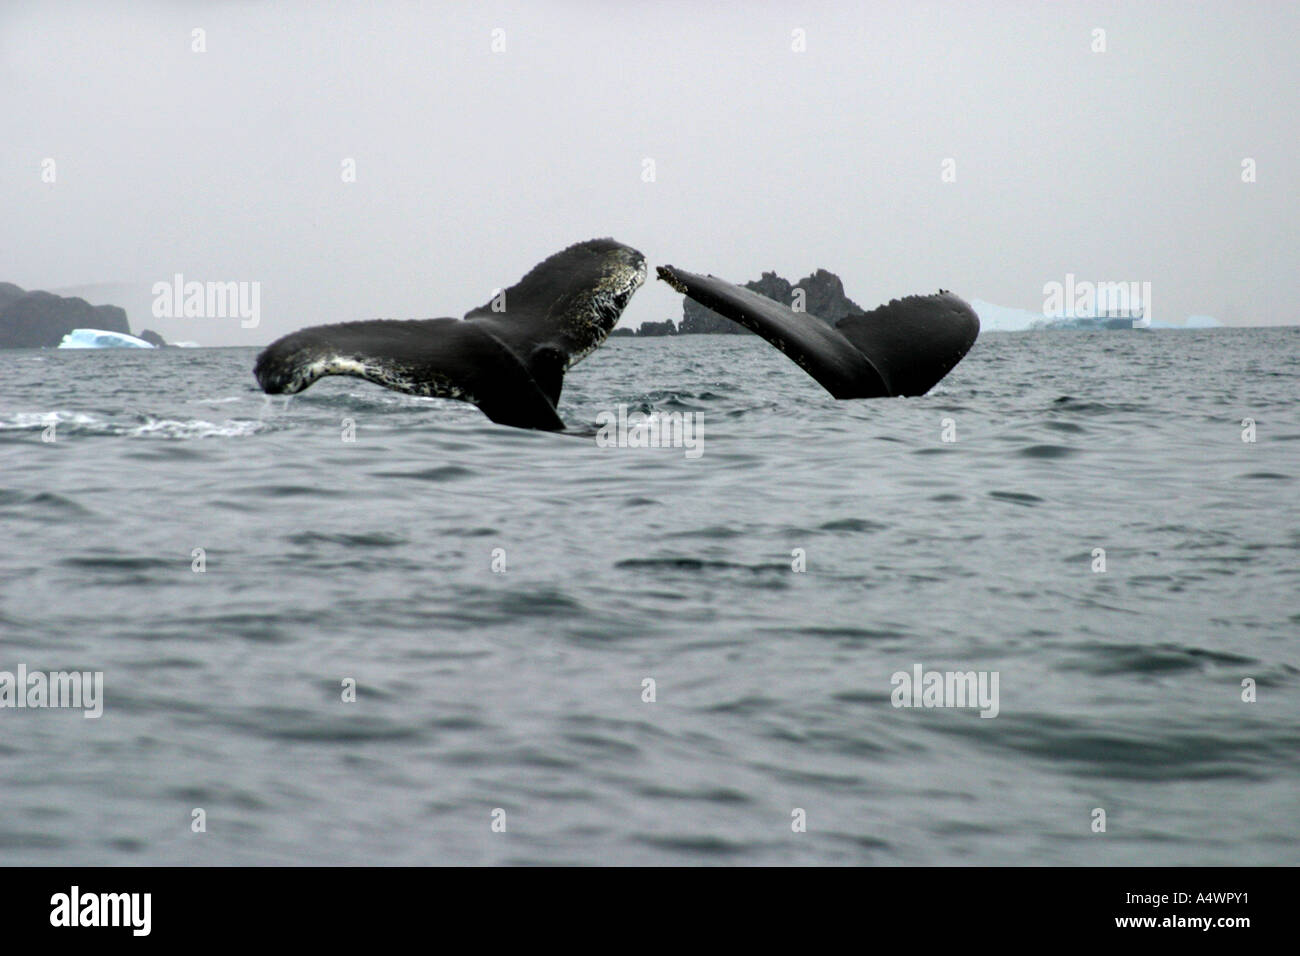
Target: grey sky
x,y
473,165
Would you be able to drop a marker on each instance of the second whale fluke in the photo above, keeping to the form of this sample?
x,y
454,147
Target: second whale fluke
x,y
508,356
902,348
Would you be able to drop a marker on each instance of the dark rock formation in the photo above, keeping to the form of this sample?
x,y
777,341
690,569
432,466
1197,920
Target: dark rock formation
x,y
823,297
9,292
647,330
666,327
153,338
33,320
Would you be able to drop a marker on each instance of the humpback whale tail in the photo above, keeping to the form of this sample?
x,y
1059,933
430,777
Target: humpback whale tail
x,y
508,356
902,348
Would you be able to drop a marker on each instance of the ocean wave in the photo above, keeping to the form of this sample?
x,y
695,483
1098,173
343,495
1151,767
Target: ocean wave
x,y
71,424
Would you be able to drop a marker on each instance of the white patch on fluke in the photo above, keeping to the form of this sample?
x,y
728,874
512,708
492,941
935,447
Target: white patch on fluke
x,y
603,307
388,376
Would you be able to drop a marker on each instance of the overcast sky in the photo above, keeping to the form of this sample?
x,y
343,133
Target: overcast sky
x,y
471,165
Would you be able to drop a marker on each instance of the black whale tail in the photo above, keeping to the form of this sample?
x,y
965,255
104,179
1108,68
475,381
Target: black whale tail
x,y
508,357
902,348
915,341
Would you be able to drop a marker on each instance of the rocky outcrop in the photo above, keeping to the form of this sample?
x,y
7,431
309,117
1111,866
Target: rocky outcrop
x,y
647,330
33,320
822,296
666,327
153,338
9,292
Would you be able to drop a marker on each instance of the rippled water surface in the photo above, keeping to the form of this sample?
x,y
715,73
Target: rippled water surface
x,y
372,560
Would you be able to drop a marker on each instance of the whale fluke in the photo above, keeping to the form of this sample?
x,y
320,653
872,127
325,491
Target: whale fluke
x,y
903,348
508,356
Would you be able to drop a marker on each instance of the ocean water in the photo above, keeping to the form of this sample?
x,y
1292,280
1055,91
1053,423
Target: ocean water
x,y
516,695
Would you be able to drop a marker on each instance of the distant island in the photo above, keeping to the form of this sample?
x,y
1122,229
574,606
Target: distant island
x,y
823,298
647,330
40,320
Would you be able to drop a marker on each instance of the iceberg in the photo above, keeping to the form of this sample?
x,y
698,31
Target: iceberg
x,y
1193,322
100,339
1001,318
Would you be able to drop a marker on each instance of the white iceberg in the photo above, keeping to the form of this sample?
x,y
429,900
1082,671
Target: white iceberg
x,y
1001,318
1192,322
100,339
